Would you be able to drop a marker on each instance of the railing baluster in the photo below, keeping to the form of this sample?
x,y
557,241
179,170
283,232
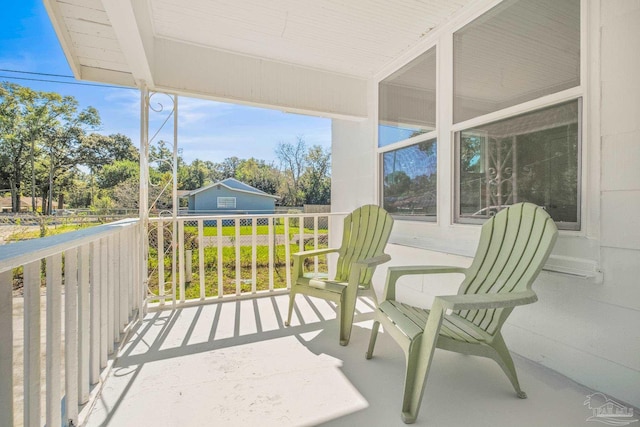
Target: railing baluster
x,y
104,302
201,258
31,278
238,261
124,249
301,235
6,349
219,240
161,261
254,254
71,333
111,339
140,273
54,340
271,257
117,256
131,249
181,259
287,251
94,279
315,243
83,324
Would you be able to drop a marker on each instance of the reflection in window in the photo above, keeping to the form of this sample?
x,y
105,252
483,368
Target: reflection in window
x,y
528,158
410,181
407,100
518,51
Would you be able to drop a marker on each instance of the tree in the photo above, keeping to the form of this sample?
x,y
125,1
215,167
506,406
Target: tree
x,y
259,174
316,179
62,143
99,150
117,172
292,161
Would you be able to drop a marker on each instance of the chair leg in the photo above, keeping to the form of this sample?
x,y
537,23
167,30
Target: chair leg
x,y
372,340
419,359
503,357
292,297
347,310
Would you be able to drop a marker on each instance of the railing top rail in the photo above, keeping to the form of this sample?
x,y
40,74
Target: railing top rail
x,y
19,253
246,216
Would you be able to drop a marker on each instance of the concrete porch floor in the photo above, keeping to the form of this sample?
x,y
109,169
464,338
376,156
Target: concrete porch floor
x,y
236,364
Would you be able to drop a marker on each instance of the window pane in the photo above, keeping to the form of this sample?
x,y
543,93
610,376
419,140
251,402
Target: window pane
x,y
407,104
409,181
518,51
226,202
529,158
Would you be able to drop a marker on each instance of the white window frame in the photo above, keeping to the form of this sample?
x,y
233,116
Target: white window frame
x,y
222,201
448,236
561,225
427,136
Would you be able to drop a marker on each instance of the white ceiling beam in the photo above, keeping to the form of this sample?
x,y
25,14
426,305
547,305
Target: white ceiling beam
x,y
134,35
187,69
57,19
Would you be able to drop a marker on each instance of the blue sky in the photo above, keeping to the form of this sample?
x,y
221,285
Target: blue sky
x,y
207,130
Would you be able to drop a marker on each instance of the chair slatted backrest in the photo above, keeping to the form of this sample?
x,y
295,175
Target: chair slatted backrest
x,y
514,245
365,235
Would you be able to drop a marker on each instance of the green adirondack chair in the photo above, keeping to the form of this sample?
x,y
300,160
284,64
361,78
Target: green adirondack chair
x,y
513,248
365,235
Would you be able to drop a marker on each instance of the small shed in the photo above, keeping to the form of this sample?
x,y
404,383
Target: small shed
x,y
230,196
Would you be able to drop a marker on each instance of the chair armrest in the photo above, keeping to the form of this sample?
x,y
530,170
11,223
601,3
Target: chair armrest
x,y
394,273
372,262
487,301
298,258
315,252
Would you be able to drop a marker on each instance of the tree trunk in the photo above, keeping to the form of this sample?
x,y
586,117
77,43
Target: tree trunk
x,y
60,200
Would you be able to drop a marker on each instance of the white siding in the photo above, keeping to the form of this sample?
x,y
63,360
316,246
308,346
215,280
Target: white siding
x,y
583,328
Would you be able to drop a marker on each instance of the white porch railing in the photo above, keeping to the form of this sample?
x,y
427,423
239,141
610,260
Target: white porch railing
x,y
99,270
236,256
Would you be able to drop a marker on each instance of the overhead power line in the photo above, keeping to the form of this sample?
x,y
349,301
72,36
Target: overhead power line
x,y
76,83
36,73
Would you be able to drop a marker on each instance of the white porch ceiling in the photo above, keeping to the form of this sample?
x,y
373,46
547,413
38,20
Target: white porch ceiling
x,y
298,55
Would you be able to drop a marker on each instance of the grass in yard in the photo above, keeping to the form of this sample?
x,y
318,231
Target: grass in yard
x,y
247,230
192,290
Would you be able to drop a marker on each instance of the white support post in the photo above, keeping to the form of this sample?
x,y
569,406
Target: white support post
x,y
54,340
84,319
201,257
71,333
6,350
174,198
96,291
287,251
271,255
143,246
32,344
237,247
254,254
219,243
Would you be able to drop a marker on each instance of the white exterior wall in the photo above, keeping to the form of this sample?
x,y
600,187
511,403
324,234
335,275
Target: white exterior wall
x,y
584,328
